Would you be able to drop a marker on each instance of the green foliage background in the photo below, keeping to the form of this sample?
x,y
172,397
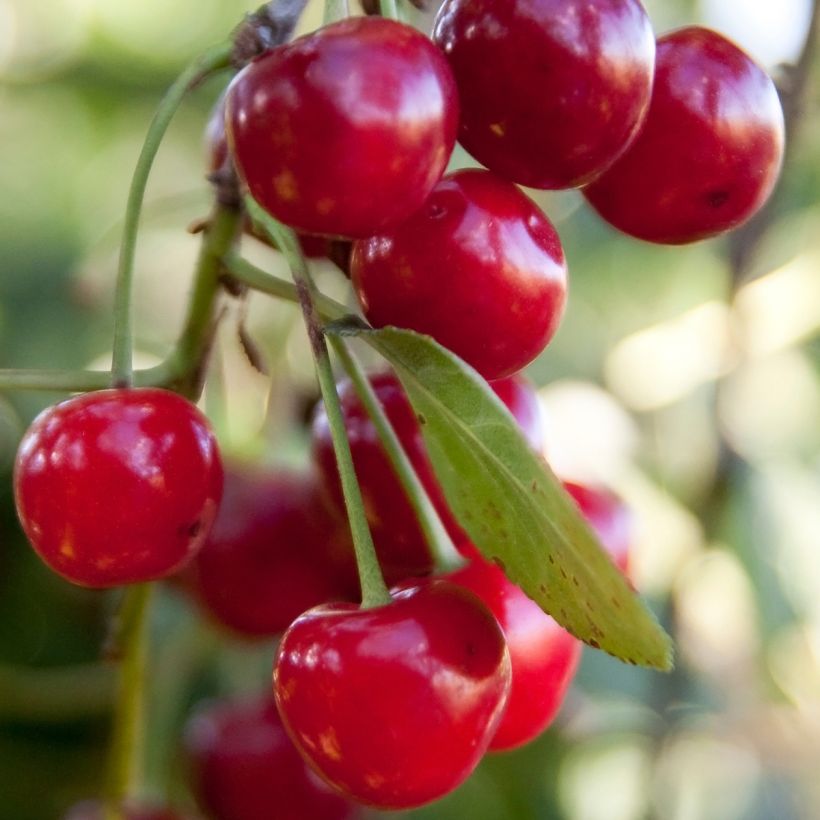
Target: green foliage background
x,y
698,399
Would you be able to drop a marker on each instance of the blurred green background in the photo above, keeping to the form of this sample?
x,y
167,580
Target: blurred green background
x,y
686,378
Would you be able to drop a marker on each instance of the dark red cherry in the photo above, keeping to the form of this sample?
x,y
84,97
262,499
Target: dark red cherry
x,y
274,551
394,705
245,767
543,655
709,152
399,540
609,517
94,810
479,268
552,91
118,486
345,131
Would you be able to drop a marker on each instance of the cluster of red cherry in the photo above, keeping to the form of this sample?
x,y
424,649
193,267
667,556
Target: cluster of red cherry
x,y
346,133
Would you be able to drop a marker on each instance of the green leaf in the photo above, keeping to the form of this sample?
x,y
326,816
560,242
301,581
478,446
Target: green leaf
x,y
511,505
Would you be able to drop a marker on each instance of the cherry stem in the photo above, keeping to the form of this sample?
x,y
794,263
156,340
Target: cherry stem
x,y
389,8
374,589
186,363
439,541
126,752
121,361
259,280
57,694
336,10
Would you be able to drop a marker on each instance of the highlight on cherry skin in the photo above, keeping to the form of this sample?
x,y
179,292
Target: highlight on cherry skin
x,y
556,99
118,486
710,150
395,705
378,93
400,542
274,551
245,767
479,268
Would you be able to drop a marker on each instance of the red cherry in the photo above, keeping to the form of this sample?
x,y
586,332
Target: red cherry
x,y
709,152
394,705
344,131
118,486
94,810
274,551
609,518
552,91
543,655
479,268
245,767
399,540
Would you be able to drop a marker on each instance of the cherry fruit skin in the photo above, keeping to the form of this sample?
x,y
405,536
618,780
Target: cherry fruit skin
x,y
709,152
395,705
344,131
479,268
399,540
245,767
118,486
274,551
543,655
552,91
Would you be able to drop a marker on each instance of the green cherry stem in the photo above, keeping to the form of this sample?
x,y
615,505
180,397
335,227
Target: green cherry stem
x,y
126,754
389,8
336,10
374,589
436,535
211,61
186,362
259,280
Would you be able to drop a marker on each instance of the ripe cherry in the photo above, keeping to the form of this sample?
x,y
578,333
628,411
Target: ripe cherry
x,y
543,655
394,705
118,486
94,810
479,268
709,152
274,551
399,540
551,91
245,767
345,131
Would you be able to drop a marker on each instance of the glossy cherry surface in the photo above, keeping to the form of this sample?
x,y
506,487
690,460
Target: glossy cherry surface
x,y
479,268
399,540
709,152
552,91
344,131
543,655
609,517
245,767
395,705
118,486
94,810
274,551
